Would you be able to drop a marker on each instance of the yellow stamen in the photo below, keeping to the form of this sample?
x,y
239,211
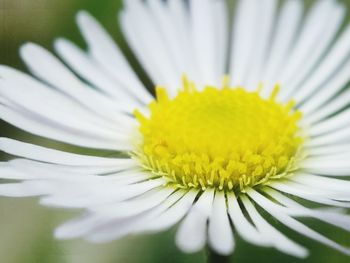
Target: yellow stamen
x,y
226,138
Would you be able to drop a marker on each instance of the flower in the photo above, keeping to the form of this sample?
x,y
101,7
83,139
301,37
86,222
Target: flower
x,y
213,148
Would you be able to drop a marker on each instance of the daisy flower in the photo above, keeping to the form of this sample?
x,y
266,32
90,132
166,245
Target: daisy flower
x,y
247,123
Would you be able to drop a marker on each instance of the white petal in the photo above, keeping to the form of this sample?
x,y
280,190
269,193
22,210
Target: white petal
x,y
77,227
90,195
247,231
314,195
329,150
266,20
337,219
173,37
330,64
43,154
112,229
90,71
222,31
335,165
179,14
49,69
191,235
141,31
105,170
330,108
7,172
134,206
36,125
322,182
172,215
308,37
244,29
338,137
335,123
277,239
24,189
292,223
286,29
205,40
36,170
108,55
86,224
25,91
220,234
319,31
56,108
141,52
327,91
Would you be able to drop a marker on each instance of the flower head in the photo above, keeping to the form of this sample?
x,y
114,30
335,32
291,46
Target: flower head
x,y
223,138
214,147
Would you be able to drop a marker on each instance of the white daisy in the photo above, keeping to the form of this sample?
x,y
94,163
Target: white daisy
x,y
216,147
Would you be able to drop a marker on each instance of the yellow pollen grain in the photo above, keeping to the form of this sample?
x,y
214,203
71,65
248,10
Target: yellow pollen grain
x,y
226,138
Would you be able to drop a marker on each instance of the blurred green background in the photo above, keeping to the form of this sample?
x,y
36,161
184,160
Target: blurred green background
x,y
26,228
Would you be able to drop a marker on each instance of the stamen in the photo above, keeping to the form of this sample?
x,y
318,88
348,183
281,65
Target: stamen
x,y
225,138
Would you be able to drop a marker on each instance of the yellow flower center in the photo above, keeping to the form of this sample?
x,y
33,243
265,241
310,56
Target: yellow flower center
x,y
227,138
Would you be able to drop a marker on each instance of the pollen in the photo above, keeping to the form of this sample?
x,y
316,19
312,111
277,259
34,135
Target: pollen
x,y
218,137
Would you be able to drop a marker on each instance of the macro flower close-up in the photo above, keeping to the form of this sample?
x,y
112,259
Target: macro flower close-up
x,y
234,127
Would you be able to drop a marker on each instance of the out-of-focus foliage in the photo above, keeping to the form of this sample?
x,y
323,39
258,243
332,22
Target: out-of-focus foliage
x,y
26,228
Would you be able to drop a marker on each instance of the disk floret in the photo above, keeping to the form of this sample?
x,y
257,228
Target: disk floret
x,y
218,137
